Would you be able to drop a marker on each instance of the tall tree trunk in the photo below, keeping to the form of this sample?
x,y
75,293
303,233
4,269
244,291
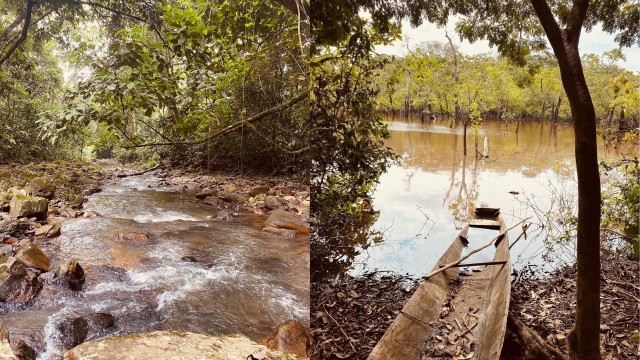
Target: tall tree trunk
x,y
544,104
584,339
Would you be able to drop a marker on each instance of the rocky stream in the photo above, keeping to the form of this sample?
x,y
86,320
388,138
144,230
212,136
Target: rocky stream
x,y
103,252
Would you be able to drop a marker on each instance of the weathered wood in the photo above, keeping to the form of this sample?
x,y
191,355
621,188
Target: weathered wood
x,y
499,262
485,224
406,337
487,212
500,236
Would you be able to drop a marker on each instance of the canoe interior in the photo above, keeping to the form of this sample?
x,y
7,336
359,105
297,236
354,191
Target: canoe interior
x,y
488,291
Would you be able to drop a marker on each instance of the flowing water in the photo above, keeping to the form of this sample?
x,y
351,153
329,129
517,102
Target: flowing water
x,y
425,200
244,280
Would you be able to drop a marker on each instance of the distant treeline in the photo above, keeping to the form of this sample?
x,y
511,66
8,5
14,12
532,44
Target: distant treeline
x,y
435,80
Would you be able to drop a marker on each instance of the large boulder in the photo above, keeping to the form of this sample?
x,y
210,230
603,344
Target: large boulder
x,y
30,255
17,284
42,186
175,345
28,206
70,274
290,337
280,219
75,331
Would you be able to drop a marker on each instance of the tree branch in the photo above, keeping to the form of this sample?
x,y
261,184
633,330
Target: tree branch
x,y
23,35
232,127
576,19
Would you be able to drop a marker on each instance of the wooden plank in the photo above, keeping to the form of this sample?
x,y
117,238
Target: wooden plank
x,y
485,224
500,262
488,212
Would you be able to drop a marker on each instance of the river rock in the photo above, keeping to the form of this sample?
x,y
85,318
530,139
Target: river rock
x,y
70,274
90,215
68,212
234,198
229,188
76,201
28,206
22,350
205,193
17,284
42,186
188,259
260,204
212,200
280,219
224,214
75,331
8,224
273,202
260,197
49,230
288,233
175,345
262,189
133,237
290,337
30,255
5,344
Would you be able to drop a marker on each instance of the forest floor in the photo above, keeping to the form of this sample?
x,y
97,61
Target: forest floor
x,y
350,315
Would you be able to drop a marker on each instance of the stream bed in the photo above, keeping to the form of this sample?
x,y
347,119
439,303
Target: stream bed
x,y
243,280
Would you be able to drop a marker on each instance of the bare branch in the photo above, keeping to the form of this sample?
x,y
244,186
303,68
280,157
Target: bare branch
x,y
232,127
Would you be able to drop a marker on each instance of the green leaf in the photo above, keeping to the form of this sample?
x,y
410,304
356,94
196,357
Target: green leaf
x,y
130,85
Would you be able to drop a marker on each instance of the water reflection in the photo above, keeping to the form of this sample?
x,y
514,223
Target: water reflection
x,y
447,186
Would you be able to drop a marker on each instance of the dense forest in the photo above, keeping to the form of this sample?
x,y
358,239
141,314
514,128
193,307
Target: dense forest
x,y
197,84
436,80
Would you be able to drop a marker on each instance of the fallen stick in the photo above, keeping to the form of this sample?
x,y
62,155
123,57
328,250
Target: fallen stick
x,y
499,262
436,272
139,172
535,346
340,327
524,232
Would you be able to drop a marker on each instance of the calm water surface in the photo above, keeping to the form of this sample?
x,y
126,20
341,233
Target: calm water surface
x,y
436,182
244,280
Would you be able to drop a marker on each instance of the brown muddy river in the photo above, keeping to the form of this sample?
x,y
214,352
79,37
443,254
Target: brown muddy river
x,y
244,280
436,182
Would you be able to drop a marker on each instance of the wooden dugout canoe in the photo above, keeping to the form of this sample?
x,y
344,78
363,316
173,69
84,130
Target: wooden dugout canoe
x,y
407,337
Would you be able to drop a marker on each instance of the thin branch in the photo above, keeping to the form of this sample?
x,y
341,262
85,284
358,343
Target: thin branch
x,y
503,233
235,126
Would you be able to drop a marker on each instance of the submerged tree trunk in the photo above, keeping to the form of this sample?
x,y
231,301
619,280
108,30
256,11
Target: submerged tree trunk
x,y
464,138
584,339
555,117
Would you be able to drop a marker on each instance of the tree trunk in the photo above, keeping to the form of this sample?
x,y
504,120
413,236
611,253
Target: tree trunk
x,y
464,138
555,117
544,104
584,339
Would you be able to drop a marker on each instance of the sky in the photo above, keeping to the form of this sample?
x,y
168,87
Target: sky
x,y
594,42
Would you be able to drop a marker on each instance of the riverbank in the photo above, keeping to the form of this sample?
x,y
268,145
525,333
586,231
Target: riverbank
x,y
350,315
144,252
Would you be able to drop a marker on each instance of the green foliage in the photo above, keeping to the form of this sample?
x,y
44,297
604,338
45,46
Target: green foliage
x,y
29,83
204,66
348,153
499,86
